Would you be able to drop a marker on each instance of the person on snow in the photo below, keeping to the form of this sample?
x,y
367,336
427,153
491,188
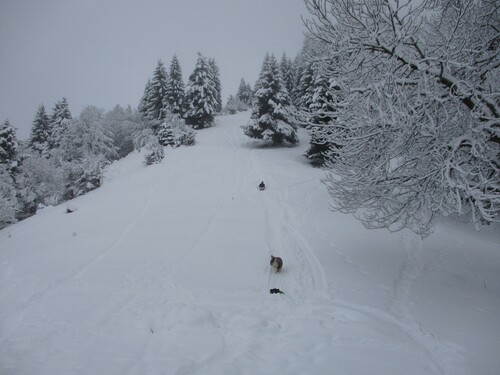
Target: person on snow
x,y
262,186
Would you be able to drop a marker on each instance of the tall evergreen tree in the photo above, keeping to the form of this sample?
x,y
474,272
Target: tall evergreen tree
x,y
324,104
144,99
9,204
152,103
59,122
244,94
40,132
174,98
271,118
216,83
286,67
8,143
304,90
200,95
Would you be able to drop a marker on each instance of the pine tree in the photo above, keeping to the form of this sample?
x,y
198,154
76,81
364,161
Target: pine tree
x,y
271,107
200,95
144,99
323,107
174,132
8,200
216,84
304,90
8,144
59,122
174,98
152,103
244,94
286,68
40,132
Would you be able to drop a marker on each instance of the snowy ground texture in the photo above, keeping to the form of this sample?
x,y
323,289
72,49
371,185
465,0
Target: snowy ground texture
x,y
165,270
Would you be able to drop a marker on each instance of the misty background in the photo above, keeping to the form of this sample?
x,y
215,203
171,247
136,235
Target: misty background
x,y
102,52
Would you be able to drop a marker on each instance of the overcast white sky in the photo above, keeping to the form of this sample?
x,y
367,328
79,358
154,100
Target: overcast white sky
x,y
101,52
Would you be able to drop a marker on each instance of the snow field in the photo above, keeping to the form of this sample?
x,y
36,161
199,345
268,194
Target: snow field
x,y
165,270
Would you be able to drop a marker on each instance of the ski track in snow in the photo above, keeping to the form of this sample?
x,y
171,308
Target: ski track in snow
x,y
235,329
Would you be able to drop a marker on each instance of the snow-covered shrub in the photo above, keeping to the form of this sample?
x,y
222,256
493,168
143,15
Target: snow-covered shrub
x,y
174,132
40,182
154,155
84,176
146,140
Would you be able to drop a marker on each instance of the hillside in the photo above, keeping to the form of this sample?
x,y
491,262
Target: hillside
x,y
165,270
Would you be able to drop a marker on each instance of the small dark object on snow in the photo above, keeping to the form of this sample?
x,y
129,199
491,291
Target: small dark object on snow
x,y
275,291
262,185
276,263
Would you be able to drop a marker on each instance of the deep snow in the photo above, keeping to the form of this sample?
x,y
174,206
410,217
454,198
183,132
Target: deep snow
x,y
165,270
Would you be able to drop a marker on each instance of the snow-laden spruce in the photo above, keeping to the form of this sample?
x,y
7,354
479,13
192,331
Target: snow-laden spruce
x,y
175,93
152,104
59,122
271,118
201,95
40,132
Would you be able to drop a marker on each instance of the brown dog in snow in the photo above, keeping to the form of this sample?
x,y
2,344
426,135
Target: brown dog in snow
x,y
276,263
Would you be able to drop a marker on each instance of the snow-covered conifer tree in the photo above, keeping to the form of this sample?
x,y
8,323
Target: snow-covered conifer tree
x,y
305,89
152,103
244,94
326,95
174,98
8,198
214,69
174,132
286,67
144,99
200,96
40,132
271,118
59,122
8,143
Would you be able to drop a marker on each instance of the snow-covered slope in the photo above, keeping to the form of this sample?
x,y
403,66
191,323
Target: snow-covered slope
x,y
165,270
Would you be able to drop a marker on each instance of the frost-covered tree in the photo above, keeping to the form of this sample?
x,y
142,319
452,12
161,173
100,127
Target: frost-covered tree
x,y
122,123
234,105
271,118
152,104
305,88
144,99
245,93
201,96
214,69
40,132
8,198
419,127
59,121
8,144
145,140
174,132
86,148
286,67
174,98
325,101
40,182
